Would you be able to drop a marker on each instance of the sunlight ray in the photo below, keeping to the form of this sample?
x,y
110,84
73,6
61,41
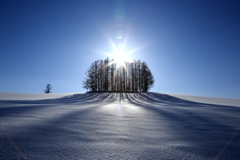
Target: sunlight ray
x,y
140,47
124,43
110,40
120,56
103,52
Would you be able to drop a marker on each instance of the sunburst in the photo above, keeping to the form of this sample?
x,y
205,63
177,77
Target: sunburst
x,y
119,55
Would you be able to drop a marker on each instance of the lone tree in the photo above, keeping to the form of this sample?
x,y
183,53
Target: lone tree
x,y
48,88
105,75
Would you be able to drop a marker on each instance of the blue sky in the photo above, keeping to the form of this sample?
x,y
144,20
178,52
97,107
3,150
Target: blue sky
x,y
191,47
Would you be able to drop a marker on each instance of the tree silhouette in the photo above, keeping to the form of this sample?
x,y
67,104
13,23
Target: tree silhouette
x,y
103,75
48,88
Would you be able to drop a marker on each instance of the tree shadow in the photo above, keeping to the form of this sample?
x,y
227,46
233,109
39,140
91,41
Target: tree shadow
x,y
46,137
69,119
78,130
206,127
13,107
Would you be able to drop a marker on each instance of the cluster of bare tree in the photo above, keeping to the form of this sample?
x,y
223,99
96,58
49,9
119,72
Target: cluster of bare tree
x,y
103,75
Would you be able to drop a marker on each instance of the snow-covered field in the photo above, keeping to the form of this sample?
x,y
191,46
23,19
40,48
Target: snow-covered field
x,y
118,126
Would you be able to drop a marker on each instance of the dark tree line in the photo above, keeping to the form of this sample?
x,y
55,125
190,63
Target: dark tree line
x,y
103,75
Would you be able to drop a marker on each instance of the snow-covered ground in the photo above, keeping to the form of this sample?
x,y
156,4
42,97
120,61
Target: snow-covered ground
x,y
118,126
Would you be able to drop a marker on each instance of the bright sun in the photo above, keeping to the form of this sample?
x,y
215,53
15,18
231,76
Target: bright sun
x,y
120,55
120,58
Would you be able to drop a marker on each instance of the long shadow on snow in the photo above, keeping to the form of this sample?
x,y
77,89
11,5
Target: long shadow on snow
x,y
207,134
75,98
165,99
48,136
8,107
175,107
183,105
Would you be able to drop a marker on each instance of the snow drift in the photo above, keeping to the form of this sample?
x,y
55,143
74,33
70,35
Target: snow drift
x,y
118,126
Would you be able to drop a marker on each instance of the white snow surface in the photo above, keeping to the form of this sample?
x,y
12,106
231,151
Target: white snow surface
x,y
31,96
118,126
210,100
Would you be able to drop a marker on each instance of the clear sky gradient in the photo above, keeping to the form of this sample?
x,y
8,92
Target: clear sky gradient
x,y
191,47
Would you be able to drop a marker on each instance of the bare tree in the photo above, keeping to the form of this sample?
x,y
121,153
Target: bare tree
x,y
106,76
48,88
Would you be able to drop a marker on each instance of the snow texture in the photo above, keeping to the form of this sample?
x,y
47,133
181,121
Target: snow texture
x,y
118,126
